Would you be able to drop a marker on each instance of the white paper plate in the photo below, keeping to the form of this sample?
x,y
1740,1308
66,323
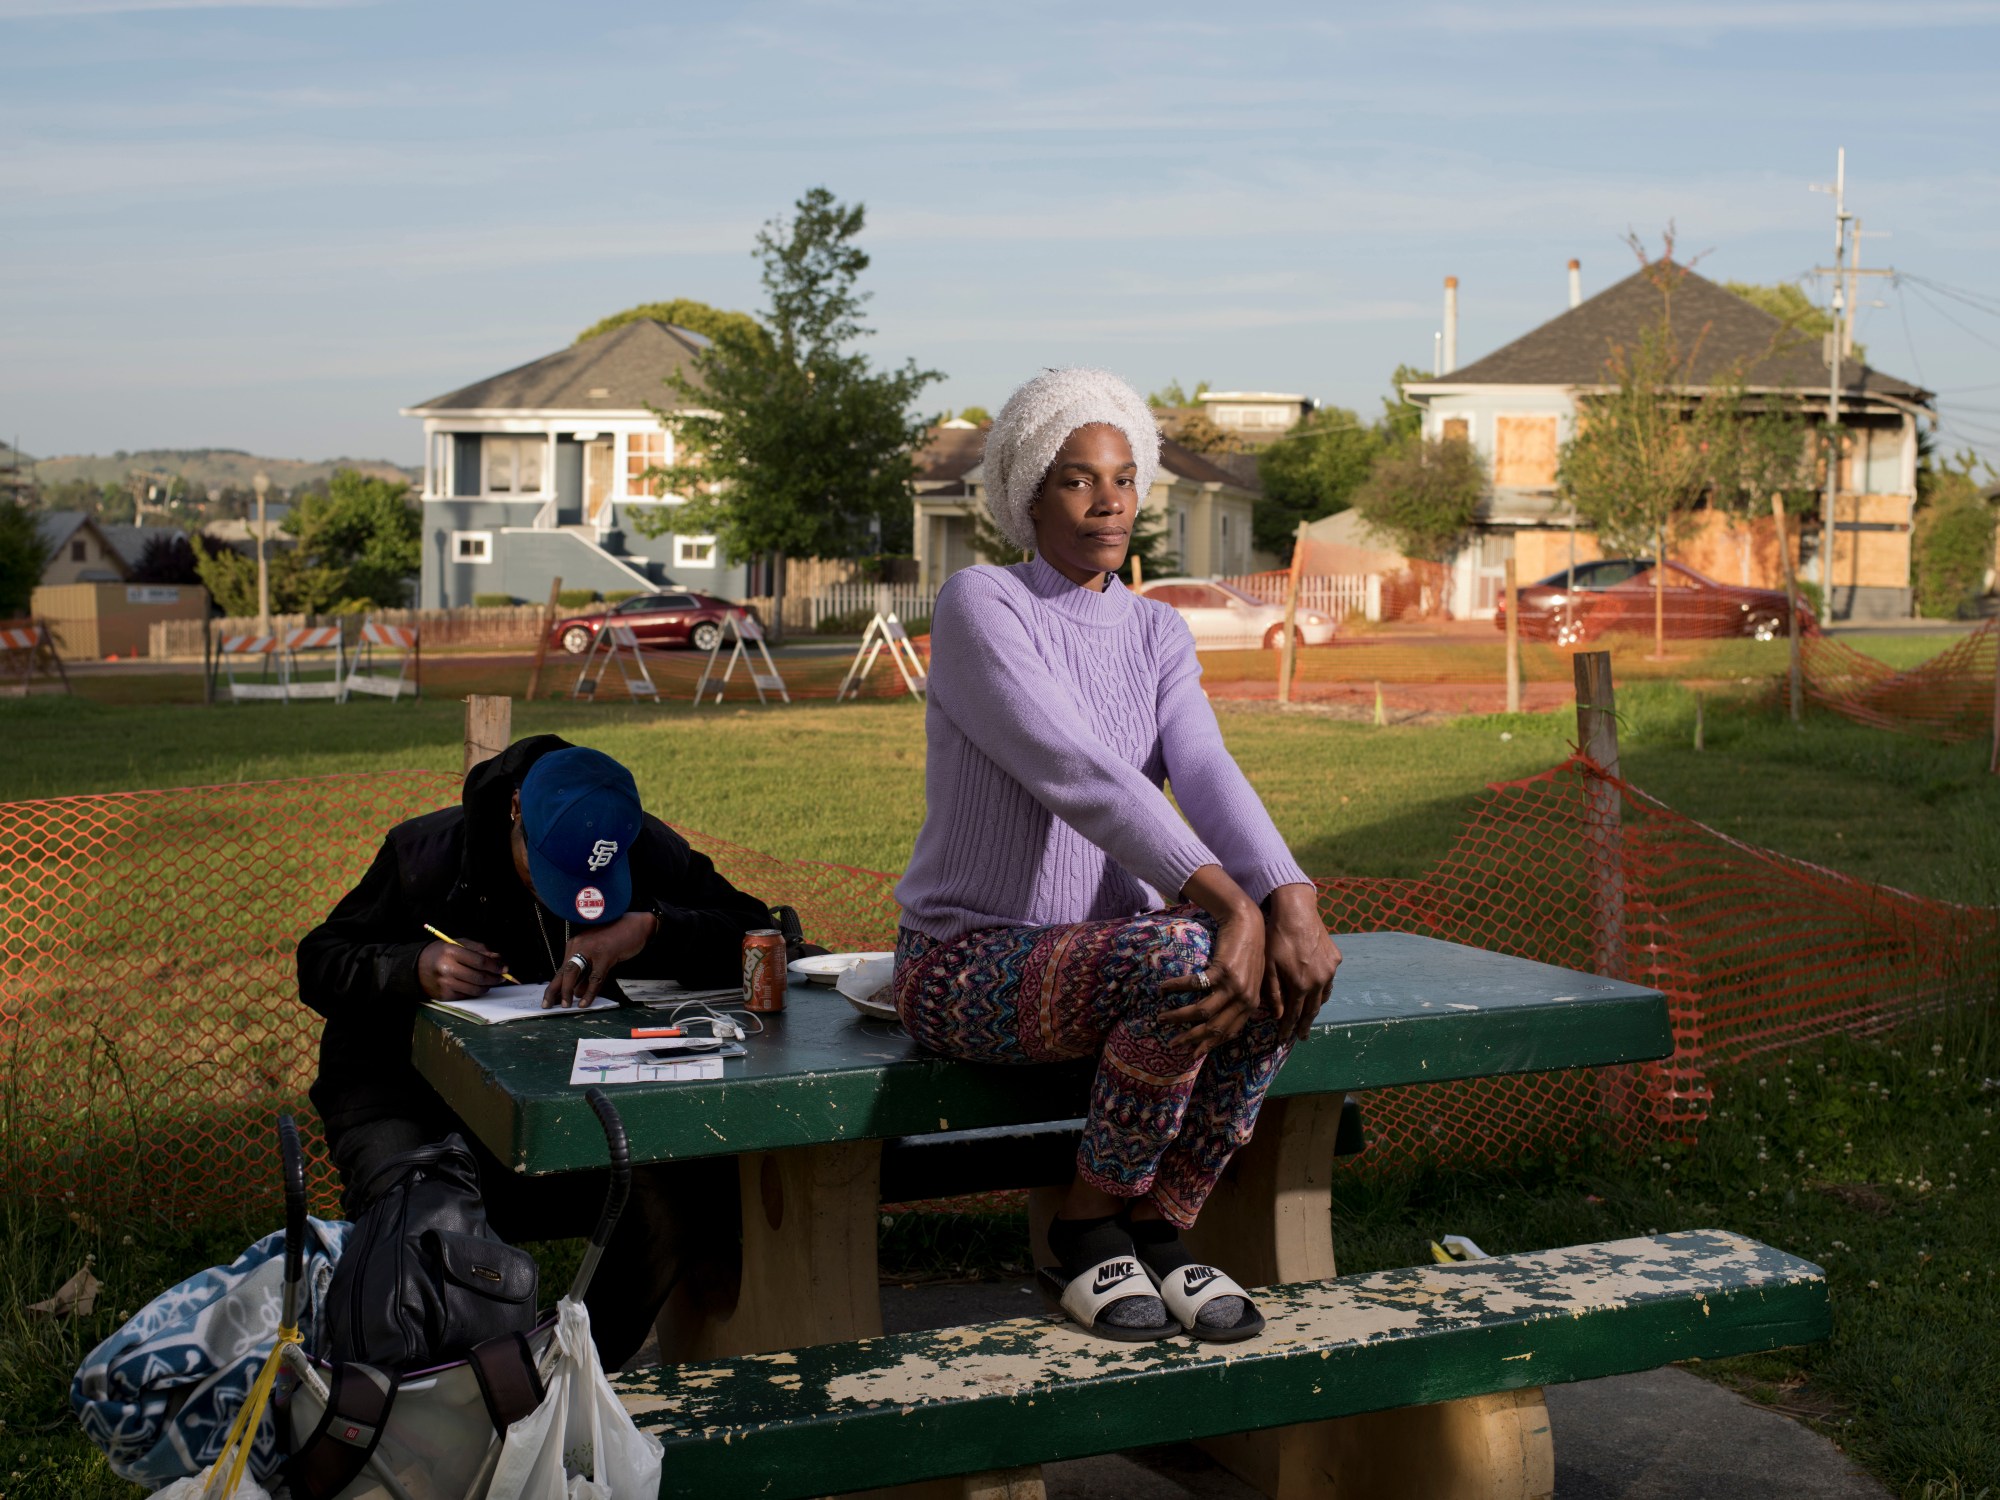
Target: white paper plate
x,y
826,968
866,985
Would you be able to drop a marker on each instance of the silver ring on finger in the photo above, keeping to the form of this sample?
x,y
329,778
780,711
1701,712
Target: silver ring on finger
x,y
1203,983
579,963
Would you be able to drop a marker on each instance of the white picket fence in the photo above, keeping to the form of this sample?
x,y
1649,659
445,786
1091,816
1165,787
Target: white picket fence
x,y
1335,594
904,600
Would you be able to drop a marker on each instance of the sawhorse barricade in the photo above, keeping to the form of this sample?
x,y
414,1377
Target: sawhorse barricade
x,y
26,647
620,646
744,631
243,650
365,678
320,640
885,631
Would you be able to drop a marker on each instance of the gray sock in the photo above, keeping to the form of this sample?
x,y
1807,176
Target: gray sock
x,y
1159,1245
1080,1244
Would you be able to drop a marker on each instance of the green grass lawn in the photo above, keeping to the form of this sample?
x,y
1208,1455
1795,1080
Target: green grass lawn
x,y
1874,1157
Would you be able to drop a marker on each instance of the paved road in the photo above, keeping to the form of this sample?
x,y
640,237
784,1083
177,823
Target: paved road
x,y
1662,1435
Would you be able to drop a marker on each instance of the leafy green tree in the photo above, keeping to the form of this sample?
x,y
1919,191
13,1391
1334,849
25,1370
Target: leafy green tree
x,y
794,445
1401,417
1650,444
365,530
1149,544
1312,471
23,555
1423,493
1787,302
682,312
1954,540
978,416
355,547
1171,395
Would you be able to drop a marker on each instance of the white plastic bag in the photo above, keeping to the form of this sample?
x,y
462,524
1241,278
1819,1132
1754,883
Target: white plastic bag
x,y
580,1443
195,1486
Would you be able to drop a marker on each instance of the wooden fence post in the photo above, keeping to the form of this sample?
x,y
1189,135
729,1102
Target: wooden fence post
x,y
1791,597
1993,763
1288,648
1513,642
542,641
1604,864
489,725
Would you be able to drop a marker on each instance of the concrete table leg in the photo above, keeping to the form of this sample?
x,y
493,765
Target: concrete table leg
x,y
1269,1220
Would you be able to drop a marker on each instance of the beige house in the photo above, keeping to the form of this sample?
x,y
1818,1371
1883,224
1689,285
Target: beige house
x,y
1205,507
1517,406
79,551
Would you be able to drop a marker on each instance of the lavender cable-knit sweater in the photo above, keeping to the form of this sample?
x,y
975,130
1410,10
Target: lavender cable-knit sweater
x,y
1055,715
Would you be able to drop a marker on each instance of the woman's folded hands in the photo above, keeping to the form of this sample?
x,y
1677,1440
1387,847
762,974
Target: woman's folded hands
x,y
1299,958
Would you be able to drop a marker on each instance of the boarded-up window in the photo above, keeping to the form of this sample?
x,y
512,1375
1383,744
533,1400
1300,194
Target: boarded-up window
x,y
1524,452
1456,430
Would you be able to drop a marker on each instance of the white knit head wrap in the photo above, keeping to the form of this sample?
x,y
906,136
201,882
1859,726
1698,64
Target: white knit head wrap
x,y
1038,419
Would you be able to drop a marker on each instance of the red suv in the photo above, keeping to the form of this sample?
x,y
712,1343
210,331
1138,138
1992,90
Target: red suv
x,y
673,618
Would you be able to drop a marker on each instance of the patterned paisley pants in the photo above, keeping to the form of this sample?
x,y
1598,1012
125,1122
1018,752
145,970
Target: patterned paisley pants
x,y
1161,1121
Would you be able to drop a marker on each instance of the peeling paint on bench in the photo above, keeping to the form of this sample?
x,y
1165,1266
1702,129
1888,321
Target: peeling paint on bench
x,y
910,1406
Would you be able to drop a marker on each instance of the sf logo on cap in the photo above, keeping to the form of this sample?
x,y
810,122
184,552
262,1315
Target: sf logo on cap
x,y
602,853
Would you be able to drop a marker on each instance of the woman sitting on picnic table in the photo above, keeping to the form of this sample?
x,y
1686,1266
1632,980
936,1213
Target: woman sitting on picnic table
x,y
1033,924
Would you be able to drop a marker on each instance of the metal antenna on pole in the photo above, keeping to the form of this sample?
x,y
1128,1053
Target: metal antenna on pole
x,y
1839,346
1833,354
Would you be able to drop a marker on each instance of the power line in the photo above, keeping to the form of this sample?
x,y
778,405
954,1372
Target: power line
x,y
1945,313
1903,311
1976,300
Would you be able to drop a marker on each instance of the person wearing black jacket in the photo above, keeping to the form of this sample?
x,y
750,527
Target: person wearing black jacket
x,y
568,895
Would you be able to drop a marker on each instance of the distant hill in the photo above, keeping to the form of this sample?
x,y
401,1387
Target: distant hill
x,y
209,468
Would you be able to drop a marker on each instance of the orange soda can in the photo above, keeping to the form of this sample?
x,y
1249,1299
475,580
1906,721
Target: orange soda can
x,y
764,976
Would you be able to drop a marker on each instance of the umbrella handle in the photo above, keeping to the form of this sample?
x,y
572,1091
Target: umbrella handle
x,y
621,1164
295,1201
615,1195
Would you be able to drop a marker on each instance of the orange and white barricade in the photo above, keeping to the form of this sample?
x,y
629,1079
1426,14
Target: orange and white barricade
x,y
26,648
242,651
368,675
322,641
885,633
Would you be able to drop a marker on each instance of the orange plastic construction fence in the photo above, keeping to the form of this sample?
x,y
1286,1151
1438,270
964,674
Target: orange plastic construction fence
x,y
1950,697
151,1028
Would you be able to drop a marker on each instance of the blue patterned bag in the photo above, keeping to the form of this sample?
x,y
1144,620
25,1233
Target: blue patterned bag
x,y
159,1394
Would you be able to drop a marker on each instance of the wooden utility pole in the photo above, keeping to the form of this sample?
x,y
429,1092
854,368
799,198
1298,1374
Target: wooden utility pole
x,y
1791,597
1513,641
1138,572
489,725
1604,862
1288,648
542,641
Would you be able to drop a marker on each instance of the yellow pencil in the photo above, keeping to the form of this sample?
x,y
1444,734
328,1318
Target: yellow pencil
x,y
457,944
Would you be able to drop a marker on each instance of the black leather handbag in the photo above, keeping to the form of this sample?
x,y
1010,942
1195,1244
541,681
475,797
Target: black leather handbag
x,y
424,1278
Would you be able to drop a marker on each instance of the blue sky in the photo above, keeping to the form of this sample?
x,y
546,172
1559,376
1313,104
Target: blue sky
x,y
269,225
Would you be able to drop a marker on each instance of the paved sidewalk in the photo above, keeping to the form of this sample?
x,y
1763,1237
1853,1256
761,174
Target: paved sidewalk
x,y
1662,1435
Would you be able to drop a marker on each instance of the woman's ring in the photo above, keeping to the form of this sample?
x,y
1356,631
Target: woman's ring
x,y
578,962
1203,983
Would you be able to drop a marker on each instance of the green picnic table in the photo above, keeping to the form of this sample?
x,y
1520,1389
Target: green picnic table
x,y
1441,1405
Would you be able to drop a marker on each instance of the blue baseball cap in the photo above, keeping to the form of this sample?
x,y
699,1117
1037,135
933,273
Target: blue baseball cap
x,y
580,814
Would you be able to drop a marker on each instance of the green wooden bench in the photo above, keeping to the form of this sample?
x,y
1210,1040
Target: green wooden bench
x,y
1003,1395
807,1114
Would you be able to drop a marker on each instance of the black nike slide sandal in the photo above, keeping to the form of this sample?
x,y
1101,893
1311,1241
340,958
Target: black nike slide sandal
x,y
1188,1289
1082,1298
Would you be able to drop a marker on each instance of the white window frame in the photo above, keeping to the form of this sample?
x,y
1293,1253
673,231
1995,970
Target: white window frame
x,y
482,539
518,442
627,446
683,546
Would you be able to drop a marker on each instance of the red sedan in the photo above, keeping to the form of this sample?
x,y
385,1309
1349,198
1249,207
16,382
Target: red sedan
x,y
665,619
1617,594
